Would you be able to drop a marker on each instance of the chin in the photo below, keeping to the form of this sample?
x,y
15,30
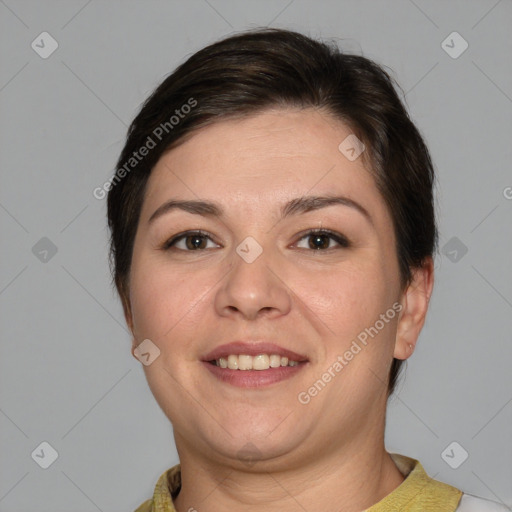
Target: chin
x,y
261,454
253,439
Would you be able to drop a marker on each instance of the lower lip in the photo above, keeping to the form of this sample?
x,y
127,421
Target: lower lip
x,y
254,378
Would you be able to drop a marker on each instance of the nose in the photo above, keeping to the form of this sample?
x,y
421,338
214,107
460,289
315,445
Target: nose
x,y
254,288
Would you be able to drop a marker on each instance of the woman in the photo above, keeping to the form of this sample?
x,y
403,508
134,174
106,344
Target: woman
x,y
272,238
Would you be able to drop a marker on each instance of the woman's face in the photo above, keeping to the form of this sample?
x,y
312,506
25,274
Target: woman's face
x,y
254,275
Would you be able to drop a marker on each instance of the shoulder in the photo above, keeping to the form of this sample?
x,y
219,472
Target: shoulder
x,y
470,503
167,487
147,506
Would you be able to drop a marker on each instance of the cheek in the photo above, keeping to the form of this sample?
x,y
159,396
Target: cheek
x,y
168,305
346,300
155,300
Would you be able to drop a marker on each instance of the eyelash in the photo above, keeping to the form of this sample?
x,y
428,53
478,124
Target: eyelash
x,y
337,237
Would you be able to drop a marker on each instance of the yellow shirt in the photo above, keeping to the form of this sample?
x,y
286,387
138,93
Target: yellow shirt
x,y
417,493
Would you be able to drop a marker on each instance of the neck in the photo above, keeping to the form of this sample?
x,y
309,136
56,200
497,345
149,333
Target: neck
x,y
355,480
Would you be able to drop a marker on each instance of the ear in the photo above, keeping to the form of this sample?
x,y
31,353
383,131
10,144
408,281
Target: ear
x,y
415,300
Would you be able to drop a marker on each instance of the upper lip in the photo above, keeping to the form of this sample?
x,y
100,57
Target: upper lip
x,y
252,349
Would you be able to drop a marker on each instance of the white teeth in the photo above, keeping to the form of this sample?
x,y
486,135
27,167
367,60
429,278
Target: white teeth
x,y
259,362
244,362
275,361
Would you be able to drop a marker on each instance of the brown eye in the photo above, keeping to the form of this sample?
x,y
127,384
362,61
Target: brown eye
x,y
193,241
321,239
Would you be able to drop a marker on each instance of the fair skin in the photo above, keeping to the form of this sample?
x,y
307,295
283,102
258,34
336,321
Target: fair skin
x,y
312,301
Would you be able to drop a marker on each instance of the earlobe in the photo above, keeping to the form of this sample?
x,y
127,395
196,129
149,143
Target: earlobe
x,y
129,321
134,346
134,338
128,315
415,301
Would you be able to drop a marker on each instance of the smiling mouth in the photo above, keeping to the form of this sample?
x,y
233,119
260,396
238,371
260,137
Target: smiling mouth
x,y
259,362
253,364
254,372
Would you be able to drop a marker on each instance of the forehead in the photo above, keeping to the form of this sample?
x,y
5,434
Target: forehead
x,y
263,159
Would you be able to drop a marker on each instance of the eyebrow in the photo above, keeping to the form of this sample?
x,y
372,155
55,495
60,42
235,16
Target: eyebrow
x,y
295,206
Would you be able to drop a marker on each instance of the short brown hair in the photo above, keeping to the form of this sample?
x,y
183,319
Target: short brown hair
x,y
259,69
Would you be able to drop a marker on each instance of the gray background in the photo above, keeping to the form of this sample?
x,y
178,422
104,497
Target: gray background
x,y
67,375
